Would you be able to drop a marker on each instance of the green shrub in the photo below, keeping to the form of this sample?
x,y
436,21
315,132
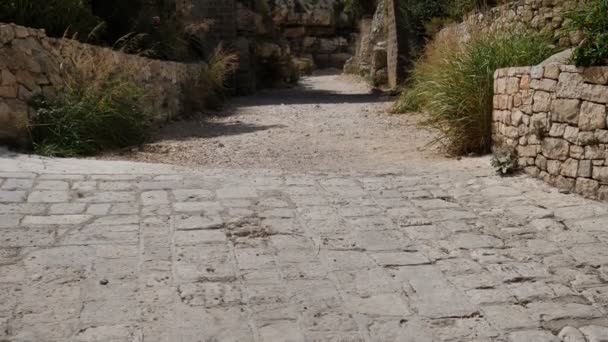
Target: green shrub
x,y
592,19
57,17
99,108
209,88
453,83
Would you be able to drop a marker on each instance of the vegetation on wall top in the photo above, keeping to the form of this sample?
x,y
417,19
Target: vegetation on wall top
x,y
592,20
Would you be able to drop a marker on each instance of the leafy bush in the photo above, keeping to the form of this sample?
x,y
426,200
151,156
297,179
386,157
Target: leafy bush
x,y
98,109
58,17
592,19
505,161
453,83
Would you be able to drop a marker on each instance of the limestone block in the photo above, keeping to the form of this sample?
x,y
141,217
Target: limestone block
x,y
586,138
524,83
532,171
602,193
517,100
541,162
602,136
585,168
569,168
571,334
577,152
537,72
500,86
7,78
565,183
7,33
595,93
600,174
592,116
595,152
586,187
503,102
21,32
540,121
516,117
596,75
555,148
512,85
544,84
553,167
570,85
527,151
542,102
552,72
557,130
565,110
8,91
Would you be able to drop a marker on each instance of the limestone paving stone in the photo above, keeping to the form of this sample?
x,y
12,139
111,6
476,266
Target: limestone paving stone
x,y
470,258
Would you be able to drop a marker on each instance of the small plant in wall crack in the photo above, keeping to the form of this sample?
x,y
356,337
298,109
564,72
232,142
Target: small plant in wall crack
x,y
504,160
539,130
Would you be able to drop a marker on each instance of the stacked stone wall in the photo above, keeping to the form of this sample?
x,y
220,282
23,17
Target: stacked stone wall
x,y
546,16
555,118
32,63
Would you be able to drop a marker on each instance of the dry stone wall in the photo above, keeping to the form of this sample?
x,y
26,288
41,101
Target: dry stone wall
x,y
555,118
31,64
547,16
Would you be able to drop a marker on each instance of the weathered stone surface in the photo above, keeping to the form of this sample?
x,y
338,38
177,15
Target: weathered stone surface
x,y
600,173
592,116
570,168
565,110
596,75
542,102
555,148
571,334
587,187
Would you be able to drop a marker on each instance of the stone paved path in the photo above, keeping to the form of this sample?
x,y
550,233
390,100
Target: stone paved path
x,y
110,251
103,251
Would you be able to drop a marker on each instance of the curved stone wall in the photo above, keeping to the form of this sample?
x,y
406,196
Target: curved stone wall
x,y
555,118
30,64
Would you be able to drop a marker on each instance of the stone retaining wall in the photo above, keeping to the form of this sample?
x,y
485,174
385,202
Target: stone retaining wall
x,y
31,63
555,118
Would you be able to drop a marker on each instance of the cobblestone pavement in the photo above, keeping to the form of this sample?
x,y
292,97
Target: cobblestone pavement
x,y
443,251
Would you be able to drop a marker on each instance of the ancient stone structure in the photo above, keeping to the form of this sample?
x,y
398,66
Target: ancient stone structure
x,y
32,63
554,118
546,16
382,48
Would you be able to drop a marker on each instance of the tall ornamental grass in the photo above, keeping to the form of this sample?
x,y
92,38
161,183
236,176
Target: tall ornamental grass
x,y
453,83
98,108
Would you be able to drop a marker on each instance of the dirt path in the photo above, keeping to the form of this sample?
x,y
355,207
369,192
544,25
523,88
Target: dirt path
x,y
328,122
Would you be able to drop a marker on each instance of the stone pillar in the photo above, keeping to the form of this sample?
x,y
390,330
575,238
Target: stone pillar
x,y
397,52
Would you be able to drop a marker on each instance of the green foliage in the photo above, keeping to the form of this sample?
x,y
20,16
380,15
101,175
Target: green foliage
x,y
453,83
57,17
90,117
592,19
360,8
505,162
209,88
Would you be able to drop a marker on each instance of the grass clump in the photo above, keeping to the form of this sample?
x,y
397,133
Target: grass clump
x,y
592,20
209,89
453,83
99,108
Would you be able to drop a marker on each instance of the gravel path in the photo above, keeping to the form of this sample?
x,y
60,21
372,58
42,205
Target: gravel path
x,y
329,122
